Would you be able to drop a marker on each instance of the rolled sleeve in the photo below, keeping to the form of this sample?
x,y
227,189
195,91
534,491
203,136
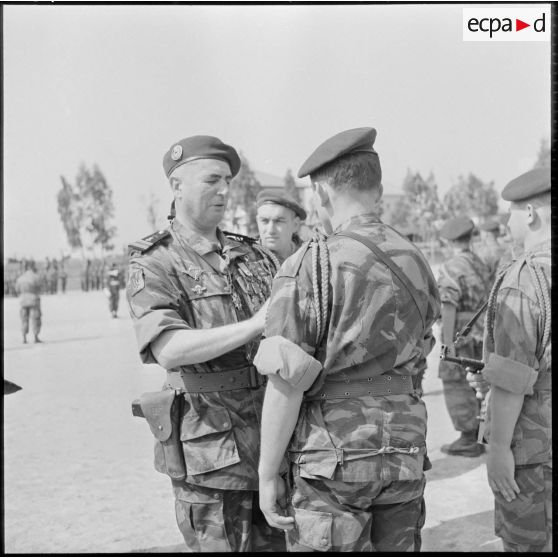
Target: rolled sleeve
x,y
509,375
448,286
277,355
154,307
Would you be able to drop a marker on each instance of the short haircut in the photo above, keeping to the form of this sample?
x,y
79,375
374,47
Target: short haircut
x,y
359,171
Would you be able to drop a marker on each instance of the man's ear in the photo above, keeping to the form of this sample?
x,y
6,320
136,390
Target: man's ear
x,y
175,184
532,215
322,193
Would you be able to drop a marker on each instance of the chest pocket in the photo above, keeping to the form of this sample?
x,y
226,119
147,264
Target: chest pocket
x,y
198,284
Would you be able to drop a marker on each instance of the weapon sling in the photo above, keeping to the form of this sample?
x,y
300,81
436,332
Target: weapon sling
x,y
395,269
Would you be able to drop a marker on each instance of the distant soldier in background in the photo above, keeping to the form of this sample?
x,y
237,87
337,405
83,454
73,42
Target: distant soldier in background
x,y
489,250
113,286
63,277
464,285
518,367
279,217
28,286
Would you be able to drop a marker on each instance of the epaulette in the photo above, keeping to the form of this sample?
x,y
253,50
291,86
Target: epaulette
x,y
148,242
300,256
240,237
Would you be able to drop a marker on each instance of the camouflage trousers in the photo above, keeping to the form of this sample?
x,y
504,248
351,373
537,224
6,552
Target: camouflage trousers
x,y
461,402
33,313
113,299
373,516
214,520
525,523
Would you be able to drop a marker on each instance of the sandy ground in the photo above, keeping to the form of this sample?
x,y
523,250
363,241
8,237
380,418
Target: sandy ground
x,y
78,475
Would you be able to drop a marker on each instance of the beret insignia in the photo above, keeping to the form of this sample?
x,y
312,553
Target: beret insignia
x,y
176,153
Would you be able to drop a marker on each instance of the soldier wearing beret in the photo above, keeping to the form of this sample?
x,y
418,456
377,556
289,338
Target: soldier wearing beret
x,y
489,250
197,299
518,357
348,323
464,285
279,217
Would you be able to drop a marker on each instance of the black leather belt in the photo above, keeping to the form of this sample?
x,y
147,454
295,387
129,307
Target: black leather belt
x,y
226,380
386,384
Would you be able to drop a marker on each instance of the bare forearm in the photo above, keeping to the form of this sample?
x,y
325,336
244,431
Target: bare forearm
x,y
504,412
192,346
279,417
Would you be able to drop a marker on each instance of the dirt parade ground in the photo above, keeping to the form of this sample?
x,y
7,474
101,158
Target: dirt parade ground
x,y
78,473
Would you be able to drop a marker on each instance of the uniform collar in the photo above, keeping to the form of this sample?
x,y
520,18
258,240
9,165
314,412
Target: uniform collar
x,y
361,219
540,247
196,241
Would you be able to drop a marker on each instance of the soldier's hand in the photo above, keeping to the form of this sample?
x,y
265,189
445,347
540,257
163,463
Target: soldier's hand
x,y
259,317
450,350
478,383
273,503
500,466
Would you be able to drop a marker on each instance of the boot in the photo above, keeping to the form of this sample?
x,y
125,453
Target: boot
x,y
466,445
37,340
25,337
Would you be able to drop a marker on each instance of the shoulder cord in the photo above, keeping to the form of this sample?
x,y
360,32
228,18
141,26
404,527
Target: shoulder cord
x,y
543,296
320,283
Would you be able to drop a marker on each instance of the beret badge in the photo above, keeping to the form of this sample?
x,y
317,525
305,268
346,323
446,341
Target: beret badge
x,y
176,153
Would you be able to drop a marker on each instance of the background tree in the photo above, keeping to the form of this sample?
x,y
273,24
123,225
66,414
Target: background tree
x,y
543,157
419,207
471,197
242,203
153,214
86,210
290,186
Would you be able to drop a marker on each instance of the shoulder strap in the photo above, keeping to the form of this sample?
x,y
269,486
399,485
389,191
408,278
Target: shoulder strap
x,y
149,241
395,269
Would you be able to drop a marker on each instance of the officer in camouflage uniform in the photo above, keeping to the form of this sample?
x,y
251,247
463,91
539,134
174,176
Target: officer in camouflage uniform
x,y
464,286
28,286
113,286
344,336
490,251
518,357
279,217
194,294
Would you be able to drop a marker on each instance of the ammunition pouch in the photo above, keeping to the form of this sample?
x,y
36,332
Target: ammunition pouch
x,y
163,410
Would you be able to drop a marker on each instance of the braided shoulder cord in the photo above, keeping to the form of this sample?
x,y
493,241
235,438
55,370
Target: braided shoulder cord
x,y
316,288
324,261
320,284
543,296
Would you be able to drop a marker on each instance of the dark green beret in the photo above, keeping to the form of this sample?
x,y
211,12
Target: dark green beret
x,y
456,228
280,198
529,184
357,140
490,225
200,147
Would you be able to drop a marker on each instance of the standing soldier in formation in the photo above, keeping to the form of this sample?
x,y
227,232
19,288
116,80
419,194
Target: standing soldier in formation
x,y
344,336
518,357
197,297
63,276
113,286
489,250
279,217
464,286
28,287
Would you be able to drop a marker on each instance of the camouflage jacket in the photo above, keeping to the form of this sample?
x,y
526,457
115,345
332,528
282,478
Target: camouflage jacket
x,y
28,286
517,335
464,281
372,324
182,282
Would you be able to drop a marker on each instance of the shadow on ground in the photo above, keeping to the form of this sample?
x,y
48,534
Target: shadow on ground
x,y
452,466
468,533
30,344
172,549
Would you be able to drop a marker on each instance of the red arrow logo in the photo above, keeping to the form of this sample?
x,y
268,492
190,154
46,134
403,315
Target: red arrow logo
x,y
519,25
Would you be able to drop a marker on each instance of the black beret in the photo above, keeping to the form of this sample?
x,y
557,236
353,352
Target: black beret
x,y
490,225
280,198
527,185
200,147
357,140
456,228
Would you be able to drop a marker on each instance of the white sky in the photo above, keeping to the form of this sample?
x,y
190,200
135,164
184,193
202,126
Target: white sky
x,y
117,85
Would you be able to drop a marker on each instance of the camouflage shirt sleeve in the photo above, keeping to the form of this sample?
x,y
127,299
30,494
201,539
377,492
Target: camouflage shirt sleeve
x,y
448,285
154,304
